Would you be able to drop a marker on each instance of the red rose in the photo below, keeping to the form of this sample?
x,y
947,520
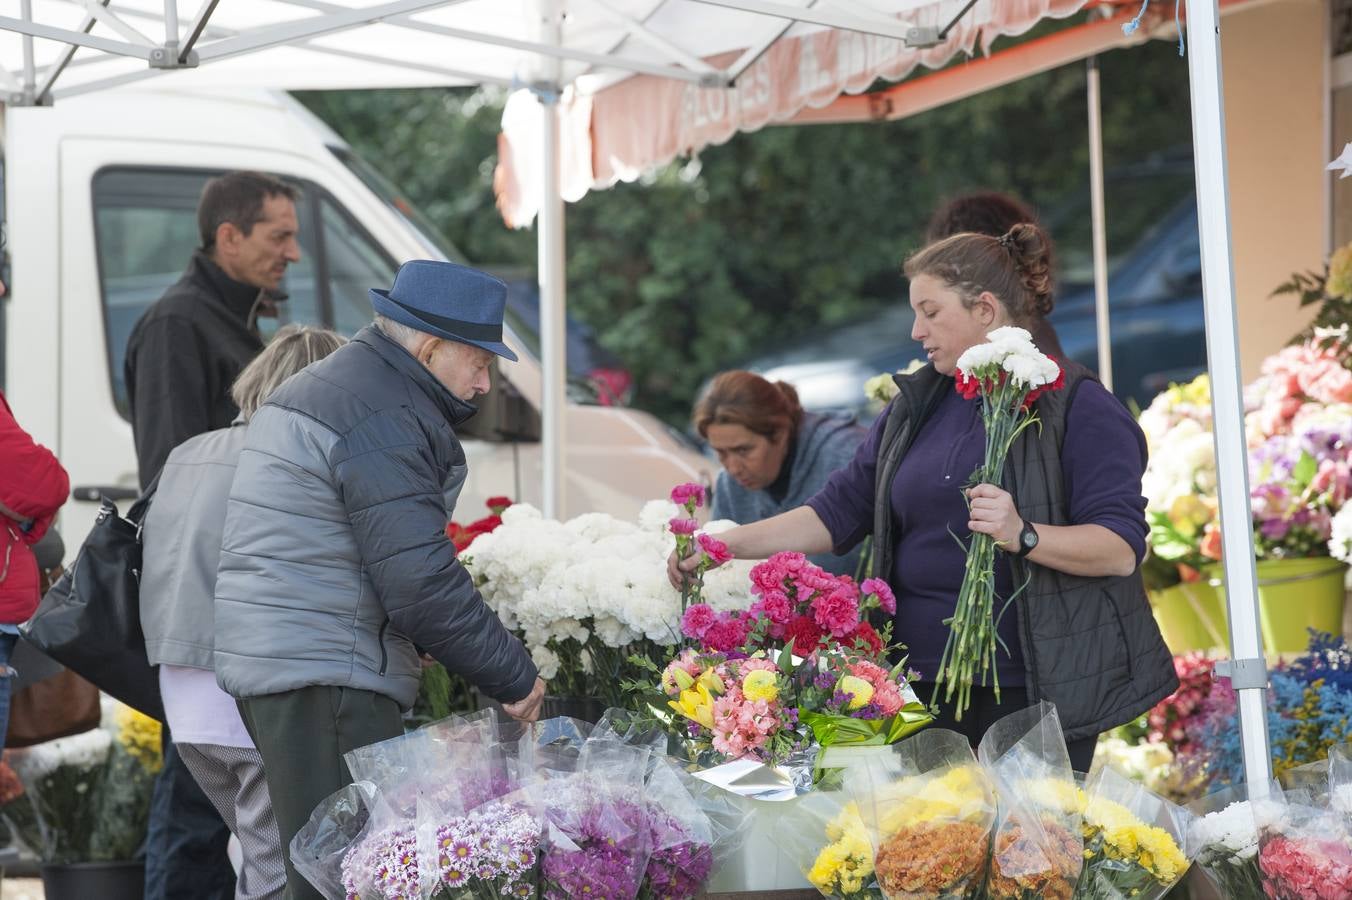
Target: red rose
x,y
804,634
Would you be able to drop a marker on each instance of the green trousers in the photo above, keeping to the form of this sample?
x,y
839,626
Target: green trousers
x,y
302,736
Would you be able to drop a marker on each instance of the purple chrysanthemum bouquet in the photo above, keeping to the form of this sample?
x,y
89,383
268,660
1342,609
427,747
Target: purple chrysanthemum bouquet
x,y
383,866
680,861
598,840
492,853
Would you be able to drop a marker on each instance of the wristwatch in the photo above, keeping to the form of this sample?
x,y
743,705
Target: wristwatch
x,y
1027,540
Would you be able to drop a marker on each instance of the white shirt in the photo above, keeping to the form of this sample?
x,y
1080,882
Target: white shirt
x,y
198,711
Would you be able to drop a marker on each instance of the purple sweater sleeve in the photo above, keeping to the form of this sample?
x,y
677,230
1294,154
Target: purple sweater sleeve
x,y
1103,457
845,502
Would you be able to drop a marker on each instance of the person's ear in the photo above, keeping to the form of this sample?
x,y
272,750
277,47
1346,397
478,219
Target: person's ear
x,y
987,307
228,237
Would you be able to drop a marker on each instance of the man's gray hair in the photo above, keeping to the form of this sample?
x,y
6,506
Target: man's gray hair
x,y
290,350
403,335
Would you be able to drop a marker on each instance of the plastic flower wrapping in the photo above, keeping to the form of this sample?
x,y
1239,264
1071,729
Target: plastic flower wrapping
x,y
1305,854
823,832
929,811
85,798
1037,851
1224,838
1133,840
458,810
802,668
586,594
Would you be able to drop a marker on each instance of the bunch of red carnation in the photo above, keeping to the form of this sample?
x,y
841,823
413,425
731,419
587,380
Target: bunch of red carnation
x,y
801,604
464,535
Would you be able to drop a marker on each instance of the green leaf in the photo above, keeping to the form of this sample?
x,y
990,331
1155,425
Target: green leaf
x,y
1305,470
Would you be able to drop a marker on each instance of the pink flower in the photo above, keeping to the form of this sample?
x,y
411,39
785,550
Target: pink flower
x,y
682,525
774,604
716,550
753,665
685,494
887,697
726,634
697,621
887,601
1305,868
836,612
742,726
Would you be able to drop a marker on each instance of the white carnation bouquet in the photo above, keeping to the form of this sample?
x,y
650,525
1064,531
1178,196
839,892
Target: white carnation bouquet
x,y
585,594
1007,373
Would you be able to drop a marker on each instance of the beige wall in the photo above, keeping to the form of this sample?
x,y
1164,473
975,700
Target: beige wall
x,y
1273,58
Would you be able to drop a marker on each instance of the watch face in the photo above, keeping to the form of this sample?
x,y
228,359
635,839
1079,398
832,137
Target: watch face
x,y
1029,538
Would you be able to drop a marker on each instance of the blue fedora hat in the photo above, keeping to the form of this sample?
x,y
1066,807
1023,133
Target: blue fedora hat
x,y
447,300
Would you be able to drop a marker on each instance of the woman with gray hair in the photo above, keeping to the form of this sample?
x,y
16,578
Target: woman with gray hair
x,y
182,548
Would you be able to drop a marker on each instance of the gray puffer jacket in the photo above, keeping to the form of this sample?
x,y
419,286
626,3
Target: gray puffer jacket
x,y
335,559
181,548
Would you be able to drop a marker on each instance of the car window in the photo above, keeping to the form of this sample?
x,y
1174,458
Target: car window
x,y
355,264
145,231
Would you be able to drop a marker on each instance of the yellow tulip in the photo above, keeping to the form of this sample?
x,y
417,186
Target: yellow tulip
x,y
696,705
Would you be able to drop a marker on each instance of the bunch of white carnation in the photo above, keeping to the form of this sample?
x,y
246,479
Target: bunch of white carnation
x,y
1012,349
592,576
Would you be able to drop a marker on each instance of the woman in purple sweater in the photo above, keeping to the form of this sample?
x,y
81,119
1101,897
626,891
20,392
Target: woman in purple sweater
x,y
1070,515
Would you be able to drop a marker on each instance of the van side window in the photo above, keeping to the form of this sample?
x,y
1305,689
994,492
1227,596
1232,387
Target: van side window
x,y
145,230
355,264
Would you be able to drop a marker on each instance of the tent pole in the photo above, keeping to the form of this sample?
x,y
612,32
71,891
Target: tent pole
x,y
1103,321
1247,671
553,288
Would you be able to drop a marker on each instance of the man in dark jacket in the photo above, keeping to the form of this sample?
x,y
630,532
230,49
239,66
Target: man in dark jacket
x,y
335,561
186,350
182,358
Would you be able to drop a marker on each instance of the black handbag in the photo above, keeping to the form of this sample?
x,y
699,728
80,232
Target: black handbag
x,y
90,619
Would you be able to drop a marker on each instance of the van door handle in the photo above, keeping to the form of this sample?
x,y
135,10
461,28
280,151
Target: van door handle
x,y
95,493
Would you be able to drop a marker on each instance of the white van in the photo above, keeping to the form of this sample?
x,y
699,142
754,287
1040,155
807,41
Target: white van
x,y
100,200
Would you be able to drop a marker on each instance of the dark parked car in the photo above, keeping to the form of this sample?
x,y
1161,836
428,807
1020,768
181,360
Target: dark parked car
x,y
1154,289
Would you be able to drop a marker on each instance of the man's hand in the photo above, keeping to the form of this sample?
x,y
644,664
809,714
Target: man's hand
x,y
527,710
680,572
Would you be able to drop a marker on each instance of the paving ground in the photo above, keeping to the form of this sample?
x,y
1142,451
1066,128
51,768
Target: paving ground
x,y
21,889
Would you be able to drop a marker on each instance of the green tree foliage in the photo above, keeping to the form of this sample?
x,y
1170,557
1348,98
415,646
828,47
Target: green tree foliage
x,y
774,234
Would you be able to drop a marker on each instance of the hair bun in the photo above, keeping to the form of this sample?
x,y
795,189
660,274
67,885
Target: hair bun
x,y
1031,251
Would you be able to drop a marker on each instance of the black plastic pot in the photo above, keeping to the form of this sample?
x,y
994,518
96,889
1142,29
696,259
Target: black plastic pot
x,y
105,880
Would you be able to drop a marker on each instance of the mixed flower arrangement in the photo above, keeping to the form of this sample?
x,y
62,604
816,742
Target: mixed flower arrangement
x,y
1299,428
801,666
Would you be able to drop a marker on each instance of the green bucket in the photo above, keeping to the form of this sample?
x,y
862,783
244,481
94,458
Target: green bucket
x,y
1295,595
1191,616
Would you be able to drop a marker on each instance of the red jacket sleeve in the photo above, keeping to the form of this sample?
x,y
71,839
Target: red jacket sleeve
x,y
33,484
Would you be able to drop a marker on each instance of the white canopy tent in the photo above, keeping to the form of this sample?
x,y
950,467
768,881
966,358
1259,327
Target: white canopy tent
x,y
57,48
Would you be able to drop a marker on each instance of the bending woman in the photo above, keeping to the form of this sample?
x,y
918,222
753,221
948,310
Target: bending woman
x,y
774,454
1070,515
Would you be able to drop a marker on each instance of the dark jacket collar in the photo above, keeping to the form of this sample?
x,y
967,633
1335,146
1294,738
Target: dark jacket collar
x,y
239,298
452,407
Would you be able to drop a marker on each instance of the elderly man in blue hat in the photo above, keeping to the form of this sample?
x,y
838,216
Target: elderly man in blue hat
x,y
335,562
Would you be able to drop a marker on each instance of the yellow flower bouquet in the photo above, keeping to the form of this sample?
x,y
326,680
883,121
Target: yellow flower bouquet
x,y
929,810
1037,853
1132,841
824,832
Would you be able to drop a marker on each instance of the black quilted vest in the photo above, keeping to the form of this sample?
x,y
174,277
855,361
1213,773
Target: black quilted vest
x,y
1090,645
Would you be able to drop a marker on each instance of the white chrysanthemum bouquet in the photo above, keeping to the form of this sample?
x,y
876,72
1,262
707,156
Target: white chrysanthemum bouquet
x,y
1007,373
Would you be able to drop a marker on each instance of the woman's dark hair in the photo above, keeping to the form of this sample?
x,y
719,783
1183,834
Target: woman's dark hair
x,y
746,399
1015,267
983,212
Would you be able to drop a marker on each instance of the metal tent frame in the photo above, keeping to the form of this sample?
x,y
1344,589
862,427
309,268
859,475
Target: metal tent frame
x,y
632,26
